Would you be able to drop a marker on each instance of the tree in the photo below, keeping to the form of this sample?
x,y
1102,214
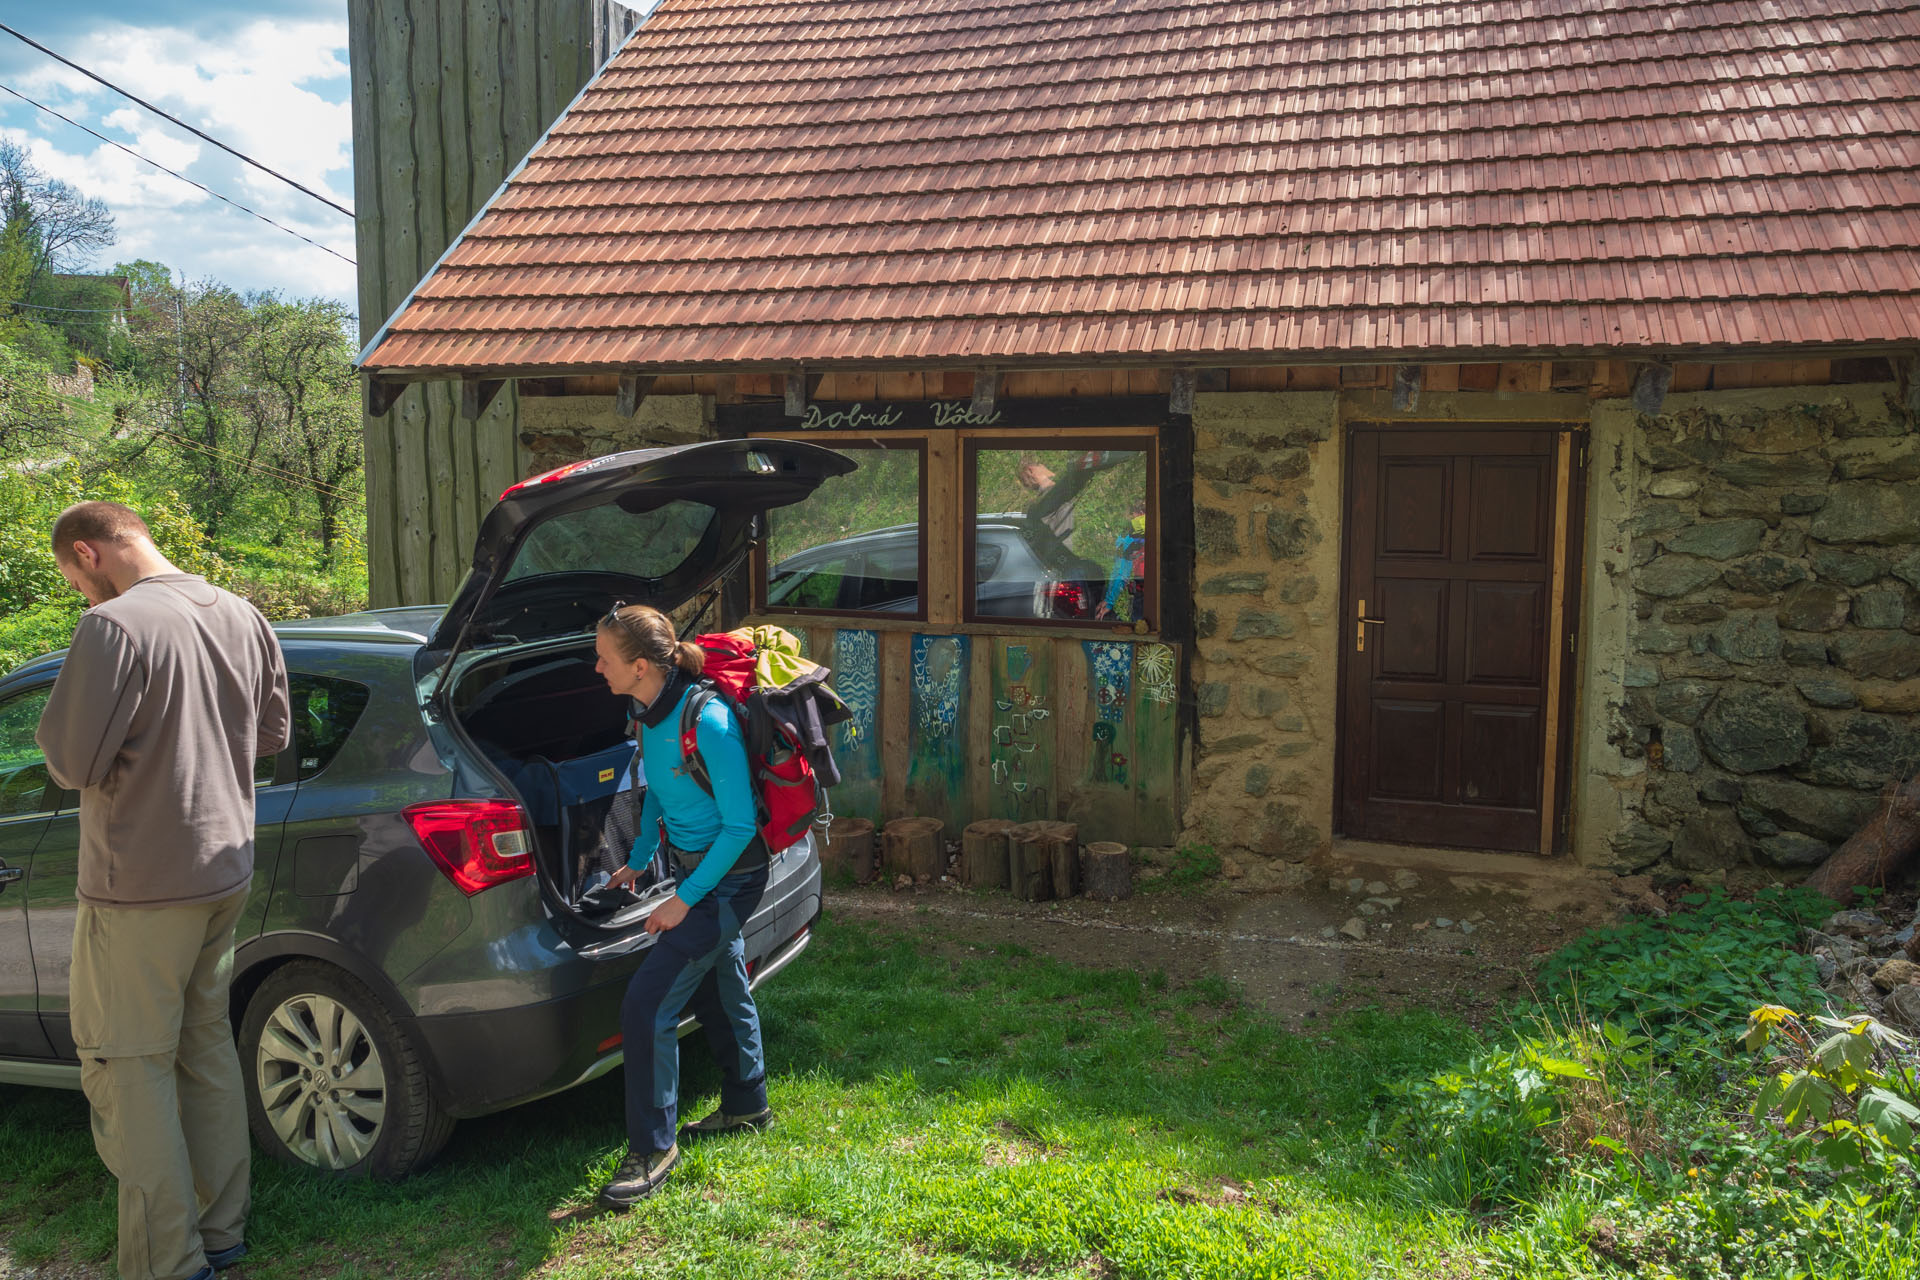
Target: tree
x,y
191,343
64,228
301,366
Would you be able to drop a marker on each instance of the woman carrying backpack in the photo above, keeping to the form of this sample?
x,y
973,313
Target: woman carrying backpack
x,y
715,851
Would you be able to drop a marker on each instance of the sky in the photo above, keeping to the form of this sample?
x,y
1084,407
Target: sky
x,y
268,78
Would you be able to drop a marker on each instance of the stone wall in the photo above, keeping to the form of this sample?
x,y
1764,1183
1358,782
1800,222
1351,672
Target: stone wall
x,y
555,430
1267,489
1767,558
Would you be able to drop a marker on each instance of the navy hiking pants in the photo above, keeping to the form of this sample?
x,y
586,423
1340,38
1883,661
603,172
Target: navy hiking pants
x,y
699,965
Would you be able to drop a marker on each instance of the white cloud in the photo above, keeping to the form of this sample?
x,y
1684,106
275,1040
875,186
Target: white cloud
x,y
275,91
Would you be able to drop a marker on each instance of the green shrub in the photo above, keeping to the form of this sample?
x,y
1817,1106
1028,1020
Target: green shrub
x,y
1493,1133
1688,981
1193,866
32,632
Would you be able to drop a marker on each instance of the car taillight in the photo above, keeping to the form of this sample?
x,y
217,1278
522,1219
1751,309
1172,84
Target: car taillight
x,y
1069,599
478,843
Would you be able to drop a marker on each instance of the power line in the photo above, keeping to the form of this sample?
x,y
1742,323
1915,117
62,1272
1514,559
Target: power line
x,y
170,173
326,490
176,119
87,311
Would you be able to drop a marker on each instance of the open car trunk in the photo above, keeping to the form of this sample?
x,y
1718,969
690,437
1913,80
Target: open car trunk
x,y
548,726
511,663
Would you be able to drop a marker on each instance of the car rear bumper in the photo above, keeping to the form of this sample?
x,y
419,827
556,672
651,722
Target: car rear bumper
x,y
489,1061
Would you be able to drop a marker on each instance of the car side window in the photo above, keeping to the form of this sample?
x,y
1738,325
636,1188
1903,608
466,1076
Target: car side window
x,y
815,587
325,710
986,559
890,577
25,784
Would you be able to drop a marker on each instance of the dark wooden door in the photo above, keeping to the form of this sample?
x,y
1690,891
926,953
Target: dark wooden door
x,y
1449,571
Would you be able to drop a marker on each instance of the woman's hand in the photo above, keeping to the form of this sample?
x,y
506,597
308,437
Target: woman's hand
x,y
667,915
622,878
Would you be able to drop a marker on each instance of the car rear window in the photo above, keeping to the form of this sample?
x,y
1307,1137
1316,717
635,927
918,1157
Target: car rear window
x,y
608,539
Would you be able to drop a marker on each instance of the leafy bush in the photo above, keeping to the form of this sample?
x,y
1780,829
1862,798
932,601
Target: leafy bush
x,y
1492,1133
1688,980
37,607
1847,1099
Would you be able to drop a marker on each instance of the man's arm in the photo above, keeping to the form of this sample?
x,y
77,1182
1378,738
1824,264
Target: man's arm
x,y
276,704
92,705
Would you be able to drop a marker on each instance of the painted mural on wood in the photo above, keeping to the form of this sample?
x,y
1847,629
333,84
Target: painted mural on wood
x,y
936,757
1023,733
1128,784
856,748
1110,680
1156,742
1029,727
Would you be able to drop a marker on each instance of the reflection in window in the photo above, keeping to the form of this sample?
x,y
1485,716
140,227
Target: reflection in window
x,y
1061,534
324,713
24,780
854,545
607,539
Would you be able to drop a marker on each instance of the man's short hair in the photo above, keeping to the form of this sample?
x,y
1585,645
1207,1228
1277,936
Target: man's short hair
x,y
96,522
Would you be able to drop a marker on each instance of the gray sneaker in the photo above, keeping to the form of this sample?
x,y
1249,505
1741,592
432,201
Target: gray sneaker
x,y
638,1177
721,1123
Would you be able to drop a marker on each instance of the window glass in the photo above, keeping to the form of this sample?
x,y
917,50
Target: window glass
x,y
24,780
854,544
1074,531
607,539
324,713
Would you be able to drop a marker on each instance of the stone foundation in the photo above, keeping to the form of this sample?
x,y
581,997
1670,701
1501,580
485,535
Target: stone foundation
x,y
1764,575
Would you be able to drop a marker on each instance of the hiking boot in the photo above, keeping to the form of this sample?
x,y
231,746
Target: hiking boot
x,y
221,1259
638,1177
720,1122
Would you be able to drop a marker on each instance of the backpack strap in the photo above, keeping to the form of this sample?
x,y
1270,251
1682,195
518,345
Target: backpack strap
x,y
696,702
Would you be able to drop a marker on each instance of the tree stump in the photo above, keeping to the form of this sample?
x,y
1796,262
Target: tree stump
x,y
1029,862
1108,871
913,847
1063,857
1875,853
849,848
984,853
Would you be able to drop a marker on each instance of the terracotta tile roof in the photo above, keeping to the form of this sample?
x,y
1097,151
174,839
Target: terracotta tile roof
x,y
970,181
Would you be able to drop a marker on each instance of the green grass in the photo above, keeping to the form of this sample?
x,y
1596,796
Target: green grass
x,y
978,1114
957,1110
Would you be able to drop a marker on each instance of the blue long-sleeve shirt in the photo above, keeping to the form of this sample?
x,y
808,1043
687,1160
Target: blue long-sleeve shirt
x,y
724,823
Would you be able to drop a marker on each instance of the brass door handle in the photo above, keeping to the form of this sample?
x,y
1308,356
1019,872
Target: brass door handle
x,y
1360,627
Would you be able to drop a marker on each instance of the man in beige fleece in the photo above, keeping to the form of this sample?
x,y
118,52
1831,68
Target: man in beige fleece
x,y
170,690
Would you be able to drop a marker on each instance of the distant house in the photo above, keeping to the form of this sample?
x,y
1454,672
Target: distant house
x,y
1497,423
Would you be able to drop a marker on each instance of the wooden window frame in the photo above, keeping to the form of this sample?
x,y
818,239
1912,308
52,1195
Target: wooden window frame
x,y
1141,440
946,544
914,442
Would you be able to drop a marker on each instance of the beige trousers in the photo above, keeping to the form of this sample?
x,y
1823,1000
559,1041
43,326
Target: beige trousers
x,y
157,1061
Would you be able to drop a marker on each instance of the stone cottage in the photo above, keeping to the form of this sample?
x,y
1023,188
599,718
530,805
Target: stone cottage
x,y
1482,427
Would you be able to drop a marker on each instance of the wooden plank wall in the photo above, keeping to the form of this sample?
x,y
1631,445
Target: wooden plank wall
x,y
968,726
448,97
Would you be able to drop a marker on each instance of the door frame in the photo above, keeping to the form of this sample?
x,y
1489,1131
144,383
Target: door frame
x,y
1566,585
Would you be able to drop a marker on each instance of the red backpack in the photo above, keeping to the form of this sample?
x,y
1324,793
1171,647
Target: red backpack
x,y
788,795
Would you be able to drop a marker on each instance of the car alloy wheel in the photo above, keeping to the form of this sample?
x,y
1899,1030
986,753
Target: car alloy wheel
x,y
323,1087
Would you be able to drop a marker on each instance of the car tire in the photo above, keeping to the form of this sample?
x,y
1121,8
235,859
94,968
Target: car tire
x,y
333,1082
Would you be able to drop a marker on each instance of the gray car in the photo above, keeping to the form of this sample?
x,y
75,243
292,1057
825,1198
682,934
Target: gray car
x,y
425,941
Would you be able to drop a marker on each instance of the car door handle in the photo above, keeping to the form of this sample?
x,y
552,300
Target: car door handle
x,y
9,874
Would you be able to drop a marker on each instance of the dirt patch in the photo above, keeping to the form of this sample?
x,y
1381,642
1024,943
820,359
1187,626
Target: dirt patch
x,y
1373,924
